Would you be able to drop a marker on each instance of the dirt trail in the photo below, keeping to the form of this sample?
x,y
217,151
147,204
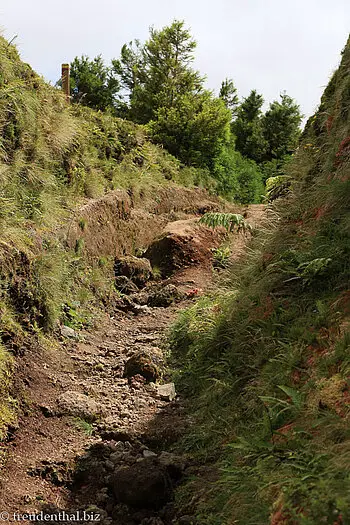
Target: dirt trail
x,y
78,400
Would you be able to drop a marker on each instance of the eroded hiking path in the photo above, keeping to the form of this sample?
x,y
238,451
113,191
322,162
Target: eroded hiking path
x,y
91,436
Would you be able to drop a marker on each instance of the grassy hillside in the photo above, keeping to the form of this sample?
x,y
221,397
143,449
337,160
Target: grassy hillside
x,y
267,357
54,158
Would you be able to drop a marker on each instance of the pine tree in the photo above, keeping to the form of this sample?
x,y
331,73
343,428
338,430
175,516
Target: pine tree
x,y
248,128
228,93
93,83
281,125
166,93
163,73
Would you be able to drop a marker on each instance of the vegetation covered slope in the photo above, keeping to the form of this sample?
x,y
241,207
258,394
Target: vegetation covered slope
x,y
267,356
52,159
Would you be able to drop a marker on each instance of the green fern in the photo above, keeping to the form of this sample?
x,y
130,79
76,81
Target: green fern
x,y
226,220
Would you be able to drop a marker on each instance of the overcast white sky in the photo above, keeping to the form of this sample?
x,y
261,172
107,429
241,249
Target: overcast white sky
x,y
269,45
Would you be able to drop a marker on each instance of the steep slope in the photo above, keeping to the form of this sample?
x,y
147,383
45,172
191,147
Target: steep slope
x,y
265,358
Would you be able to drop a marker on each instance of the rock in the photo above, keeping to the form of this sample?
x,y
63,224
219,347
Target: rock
x,y
109,465
141,298
144,364
116,457
167,391
164,296
47,410
151,388
148,453
139,270
78,405
141,309
68,332
117,434
175,465
125,304
170,253
125,285
143,485
183,243
137,382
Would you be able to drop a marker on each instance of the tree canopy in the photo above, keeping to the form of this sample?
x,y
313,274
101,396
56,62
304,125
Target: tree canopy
x,y
93,83
155,84
281,125
228,93
166,93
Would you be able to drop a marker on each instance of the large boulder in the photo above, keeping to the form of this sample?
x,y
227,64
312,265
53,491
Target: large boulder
x,y
144,485
138,270
183,243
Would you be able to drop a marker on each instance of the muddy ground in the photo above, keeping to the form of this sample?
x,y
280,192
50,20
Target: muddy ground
x,y
94,437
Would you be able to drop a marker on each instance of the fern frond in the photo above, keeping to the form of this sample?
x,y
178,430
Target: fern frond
x,y
227,220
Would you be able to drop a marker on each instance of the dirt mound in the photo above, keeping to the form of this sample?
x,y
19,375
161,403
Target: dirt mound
x,y
118,223
183,243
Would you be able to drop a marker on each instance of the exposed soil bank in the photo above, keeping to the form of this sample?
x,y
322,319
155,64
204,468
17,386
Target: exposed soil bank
x,y
119,223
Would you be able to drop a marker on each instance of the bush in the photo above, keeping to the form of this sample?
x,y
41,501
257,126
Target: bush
x,y
238,178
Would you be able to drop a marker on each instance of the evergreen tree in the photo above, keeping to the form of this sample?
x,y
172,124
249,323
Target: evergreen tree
x,y
250,109
194,129
131,70
228,93
163,73
166,93
248,128
281,125
93,83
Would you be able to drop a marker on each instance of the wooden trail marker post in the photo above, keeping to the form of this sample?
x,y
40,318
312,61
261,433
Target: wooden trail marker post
x,y
66,81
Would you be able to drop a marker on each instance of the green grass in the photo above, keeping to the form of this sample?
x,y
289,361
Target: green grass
x,y
83,425
265,358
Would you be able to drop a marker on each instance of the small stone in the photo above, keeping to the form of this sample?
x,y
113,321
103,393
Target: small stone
x,y
116,457
68,332
175,465
109,465
144,364
140,298
167,392
78,405
148,454
47,410
101,497
125,285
